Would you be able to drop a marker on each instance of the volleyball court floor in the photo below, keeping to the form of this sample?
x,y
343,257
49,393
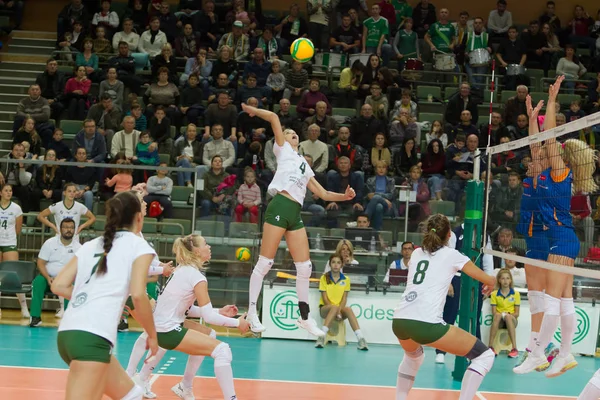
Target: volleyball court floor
x,y
30,368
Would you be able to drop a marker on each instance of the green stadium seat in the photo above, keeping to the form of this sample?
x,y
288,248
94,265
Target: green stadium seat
x,y
344,112
245,230
423,92
180,195
312,231
25,270
537,96
430,117
442,207
164,158
70,127
150,225
449,91
566,99
536,75
100,223
211,228
388,236
178,227
337,232
507,94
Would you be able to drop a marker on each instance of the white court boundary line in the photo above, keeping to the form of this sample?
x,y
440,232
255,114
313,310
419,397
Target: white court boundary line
x,y
480,396
573,126
329,384
588,273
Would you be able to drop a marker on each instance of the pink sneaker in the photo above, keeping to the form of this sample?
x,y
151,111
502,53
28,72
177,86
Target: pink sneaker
x,y
514,353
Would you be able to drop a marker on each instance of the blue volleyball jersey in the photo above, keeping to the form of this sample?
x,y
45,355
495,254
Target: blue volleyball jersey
x,y
529,215
554,194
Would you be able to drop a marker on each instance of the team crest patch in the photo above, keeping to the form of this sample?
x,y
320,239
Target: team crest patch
x,y
410,297
80,300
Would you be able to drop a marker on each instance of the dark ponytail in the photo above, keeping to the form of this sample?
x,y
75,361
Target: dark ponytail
x,y
437,229
120,214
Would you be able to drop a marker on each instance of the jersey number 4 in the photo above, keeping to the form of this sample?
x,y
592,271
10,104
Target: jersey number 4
x,y
420,274
303,168
4,224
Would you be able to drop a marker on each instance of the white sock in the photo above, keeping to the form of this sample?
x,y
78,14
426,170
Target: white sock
x,y
137,352
470,384
592,390
22,301
549,325
568,326
223,372
61,301
262,267
358,334
191,368
149,367
533,336
325,329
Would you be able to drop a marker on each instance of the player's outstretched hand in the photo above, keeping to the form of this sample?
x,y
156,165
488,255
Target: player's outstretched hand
x,y
244,324
152,345
555,88
349,193
229,311
249,109
533,113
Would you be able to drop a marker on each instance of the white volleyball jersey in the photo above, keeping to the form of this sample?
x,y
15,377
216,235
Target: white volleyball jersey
x,y
176,297
97,301
56,254
429,277
8,223
60,212
155,262
292,174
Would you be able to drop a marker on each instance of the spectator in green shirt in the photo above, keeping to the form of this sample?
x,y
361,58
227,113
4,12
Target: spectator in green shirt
x,y
406,44
403,11
441,35
375,32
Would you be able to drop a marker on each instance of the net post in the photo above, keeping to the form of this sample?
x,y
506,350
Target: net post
x,y
469,288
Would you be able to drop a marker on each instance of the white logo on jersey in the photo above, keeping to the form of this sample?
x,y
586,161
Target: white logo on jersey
x,y
412,296
80,300
277,218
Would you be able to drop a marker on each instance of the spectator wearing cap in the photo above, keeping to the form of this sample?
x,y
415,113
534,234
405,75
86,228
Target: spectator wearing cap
x,y
238,41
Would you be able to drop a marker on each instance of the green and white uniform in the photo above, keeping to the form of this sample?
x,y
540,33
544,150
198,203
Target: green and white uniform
x,y
75,212
375,29
403,10
175,299
88,329
420,314
8,223
292,176
442,36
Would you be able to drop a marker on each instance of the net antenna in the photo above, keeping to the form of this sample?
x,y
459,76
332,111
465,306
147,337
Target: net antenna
x,y
477,165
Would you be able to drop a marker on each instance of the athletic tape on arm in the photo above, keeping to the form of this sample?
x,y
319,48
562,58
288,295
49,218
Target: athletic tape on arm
x,y
577,125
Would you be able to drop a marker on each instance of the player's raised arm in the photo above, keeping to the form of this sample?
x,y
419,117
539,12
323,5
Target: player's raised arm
x,y
270,117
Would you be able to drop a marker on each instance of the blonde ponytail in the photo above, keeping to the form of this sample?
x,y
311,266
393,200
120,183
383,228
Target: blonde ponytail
x,y
582,161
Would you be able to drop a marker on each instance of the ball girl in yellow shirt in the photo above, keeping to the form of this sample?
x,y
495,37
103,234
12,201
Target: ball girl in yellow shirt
x,y
505,304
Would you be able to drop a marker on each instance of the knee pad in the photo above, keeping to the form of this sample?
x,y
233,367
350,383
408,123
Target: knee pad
x,y
552,305
222,355
478,349
536,302
135,393
483,363
411,363
567,307
213,334
263,266
303,269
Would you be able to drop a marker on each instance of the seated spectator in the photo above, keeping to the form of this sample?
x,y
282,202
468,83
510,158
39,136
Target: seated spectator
x,y
165,60
187,153
345,250
342,147
460,170
223,113
370,75
406,158
505,303
222,85
434,168
308,102
581,210
337,182
217,146
465,126
248,197
52,85
84,179
270,46
378,101
380,191
160,130
364,128
199,66
146,153
535,40
49,179
312,202
291,27
37,108
345,38
191,100
159,189
505,238
72,13
28,134
225,64
437,132
212,198
423,16
579,29
521,130
125,140
250,129
113,87
89,60
127,35
122,180
125,66
76,94
19,176
138,13
152,40
101,44
334,288
512,51
318,150
574,112
571,67
594,93
287,120
463,100
258,66
374,35
169,23
207,25
327,125
498,130
188,43
60,148
106,116
505,202
296,81
163,93
518,274
379,152
55,253
237,41
92,141
251,90
140,119
349,83
107,19
401,263
276,82
418,210
515,106
405,102
499,21
403,127
504,162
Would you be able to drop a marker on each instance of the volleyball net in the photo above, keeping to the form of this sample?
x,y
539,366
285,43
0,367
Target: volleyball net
x,y
515,237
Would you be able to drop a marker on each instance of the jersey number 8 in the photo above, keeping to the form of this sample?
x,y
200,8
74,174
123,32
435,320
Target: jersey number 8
x,y
420,274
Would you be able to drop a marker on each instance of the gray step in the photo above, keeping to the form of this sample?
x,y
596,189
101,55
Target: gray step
x,y
12,88
6,126
32,42
7,116
8,106
22,66
6,144
30,50
11,98
20,74
16,80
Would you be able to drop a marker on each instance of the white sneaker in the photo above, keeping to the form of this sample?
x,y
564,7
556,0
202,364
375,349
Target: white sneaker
x,y
440,358
320,342
560,365
311,326
531,363
255,325
183,392
146,387
25,313
59,313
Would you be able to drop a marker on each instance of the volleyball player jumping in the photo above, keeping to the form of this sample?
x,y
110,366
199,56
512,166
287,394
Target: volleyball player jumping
x,y
282,218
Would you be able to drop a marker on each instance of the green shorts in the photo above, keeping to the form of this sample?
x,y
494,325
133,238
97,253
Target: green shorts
x,y
83,346
7,249
170,340
129,302
418,331
284,213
